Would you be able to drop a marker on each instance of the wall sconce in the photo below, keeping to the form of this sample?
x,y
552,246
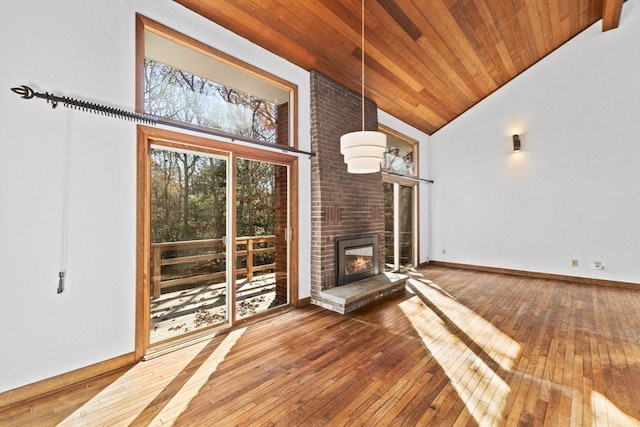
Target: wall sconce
x,y
516,142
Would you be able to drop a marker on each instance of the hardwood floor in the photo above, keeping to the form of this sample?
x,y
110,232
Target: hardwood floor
x,y
457,348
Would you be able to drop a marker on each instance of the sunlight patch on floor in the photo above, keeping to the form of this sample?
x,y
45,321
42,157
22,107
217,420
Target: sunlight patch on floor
x,y
136,390
494,342
128,390
482,391
181,399
605,413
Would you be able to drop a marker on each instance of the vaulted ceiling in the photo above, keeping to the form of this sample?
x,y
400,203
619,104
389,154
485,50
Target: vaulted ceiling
x,y
426,62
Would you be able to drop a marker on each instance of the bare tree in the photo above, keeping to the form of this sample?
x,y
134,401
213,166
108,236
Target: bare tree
x,y
189,191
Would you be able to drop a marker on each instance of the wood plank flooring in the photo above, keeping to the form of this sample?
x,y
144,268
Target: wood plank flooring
x,y
458,348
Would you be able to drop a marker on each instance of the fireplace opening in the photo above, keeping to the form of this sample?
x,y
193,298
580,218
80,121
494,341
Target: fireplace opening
x,y
356,258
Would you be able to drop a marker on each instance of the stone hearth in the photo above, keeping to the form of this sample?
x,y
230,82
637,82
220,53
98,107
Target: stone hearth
x,y
344,299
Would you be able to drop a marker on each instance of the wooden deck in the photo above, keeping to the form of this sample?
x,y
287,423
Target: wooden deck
x,y
181,311
457,348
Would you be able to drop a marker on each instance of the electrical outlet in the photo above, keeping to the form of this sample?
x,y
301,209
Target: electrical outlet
x,y
597,265
444,251
574,263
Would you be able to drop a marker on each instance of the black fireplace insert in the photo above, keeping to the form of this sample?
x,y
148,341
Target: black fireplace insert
x,y
356,258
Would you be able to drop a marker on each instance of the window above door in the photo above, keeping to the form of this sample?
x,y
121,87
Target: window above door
x,y
401,155
183,80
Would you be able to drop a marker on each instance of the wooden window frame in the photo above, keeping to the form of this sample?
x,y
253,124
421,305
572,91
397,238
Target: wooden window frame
x,y
411,141
408,181
146,24
148,137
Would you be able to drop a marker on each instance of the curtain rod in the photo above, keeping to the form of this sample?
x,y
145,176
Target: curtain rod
x,y
411,178
27,93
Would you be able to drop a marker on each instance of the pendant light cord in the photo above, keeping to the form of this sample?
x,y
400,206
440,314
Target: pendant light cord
x,y
362,61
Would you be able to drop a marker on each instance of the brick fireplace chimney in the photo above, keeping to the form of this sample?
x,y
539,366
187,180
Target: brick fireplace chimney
x,y
342,204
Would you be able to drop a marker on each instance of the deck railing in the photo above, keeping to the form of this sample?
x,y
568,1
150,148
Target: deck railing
x,y
214,252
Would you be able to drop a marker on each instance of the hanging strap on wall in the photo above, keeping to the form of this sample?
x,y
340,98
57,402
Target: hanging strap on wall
x,y
149,119
64,214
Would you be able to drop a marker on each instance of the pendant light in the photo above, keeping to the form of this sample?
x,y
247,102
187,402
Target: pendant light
x,y
363,150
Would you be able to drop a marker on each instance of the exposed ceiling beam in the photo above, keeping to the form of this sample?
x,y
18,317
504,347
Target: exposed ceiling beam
x,y
611,11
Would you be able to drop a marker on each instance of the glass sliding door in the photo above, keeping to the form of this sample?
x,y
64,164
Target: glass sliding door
x,y
389,227
405,226
261,237
188,244
400,226
215,242
399,168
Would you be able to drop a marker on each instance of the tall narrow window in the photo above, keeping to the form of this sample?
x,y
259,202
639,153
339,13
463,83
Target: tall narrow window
x,y
215,217
400,202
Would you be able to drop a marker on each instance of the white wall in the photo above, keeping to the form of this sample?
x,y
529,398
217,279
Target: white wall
x,y
424,171
86,50
574,190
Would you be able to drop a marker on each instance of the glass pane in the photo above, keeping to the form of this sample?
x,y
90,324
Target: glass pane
x,y
405,216
262,223
358,259
389,241
188,253
398,161
179,95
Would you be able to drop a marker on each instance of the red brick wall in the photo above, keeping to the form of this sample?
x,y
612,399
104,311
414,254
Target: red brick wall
x,y
342,204
282,124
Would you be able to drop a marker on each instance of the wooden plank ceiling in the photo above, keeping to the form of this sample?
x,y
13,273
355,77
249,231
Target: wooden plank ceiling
x,y
426,61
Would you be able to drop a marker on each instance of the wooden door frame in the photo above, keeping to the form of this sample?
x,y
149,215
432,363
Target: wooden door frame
x,y
398,182
148,136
